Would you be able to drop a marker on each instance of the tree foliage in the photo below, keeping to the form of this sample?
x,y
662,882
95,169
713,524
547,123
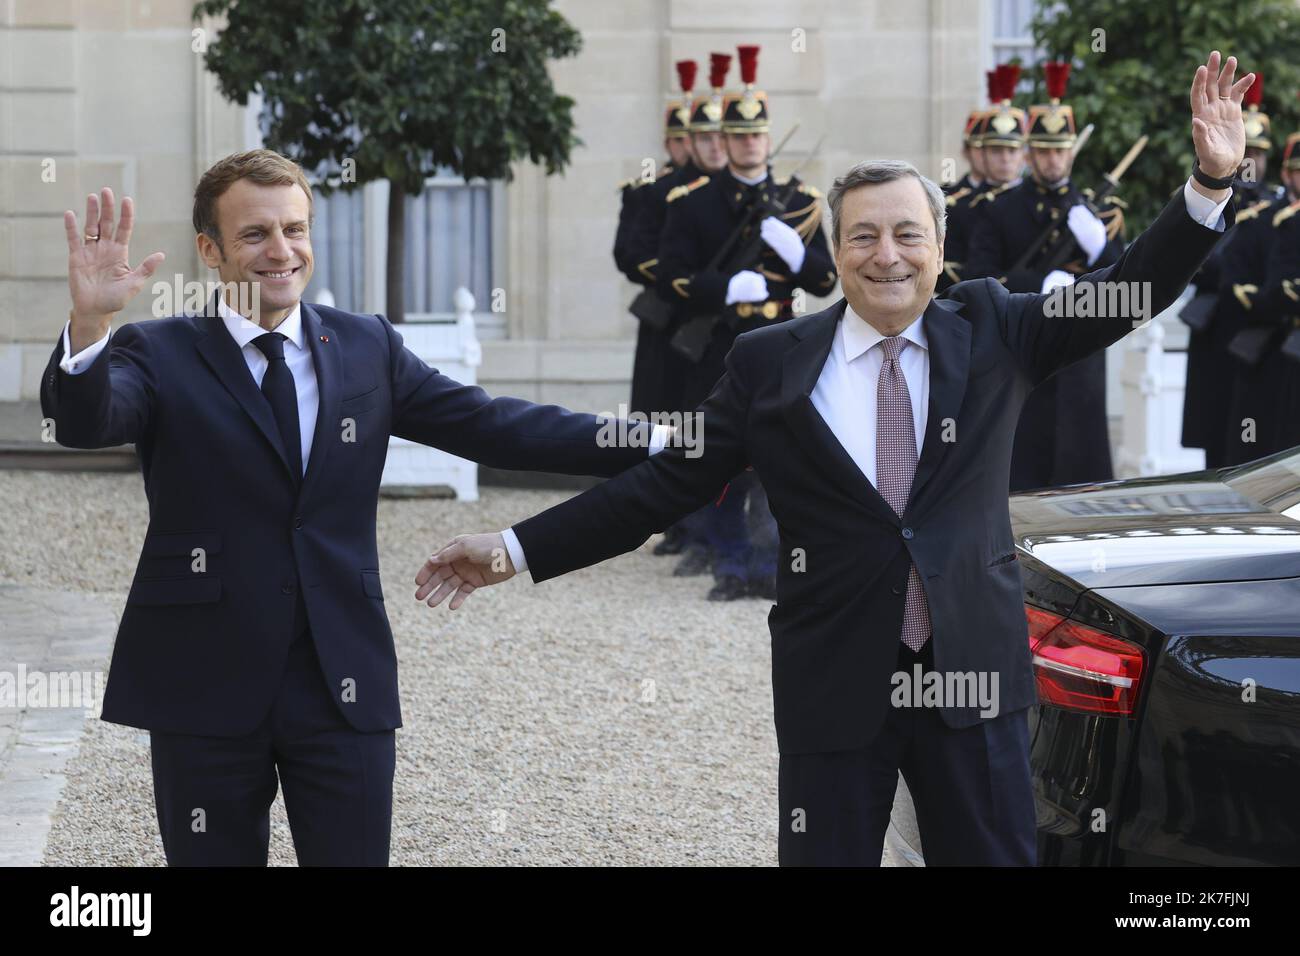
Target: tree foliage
x,y
363,90
1138,81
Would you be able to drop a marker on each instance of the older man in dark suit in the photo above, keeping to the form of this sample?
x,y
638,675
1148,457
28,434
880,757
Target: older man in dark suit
x,y
882,429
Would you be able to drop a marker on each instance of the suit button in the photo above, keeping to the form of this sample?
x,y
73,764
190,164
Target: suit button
x,y
896,590
907,534
287,589
297,522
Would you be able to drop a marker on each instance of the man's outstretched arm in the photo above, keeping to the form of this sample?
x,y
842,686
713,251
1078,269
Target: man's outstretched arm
x,y
614,517
510,433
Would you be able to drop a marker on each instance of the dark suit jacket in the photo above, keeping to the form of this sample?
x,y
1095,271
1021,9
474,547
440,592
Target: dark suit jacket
x,y
202,651
835,627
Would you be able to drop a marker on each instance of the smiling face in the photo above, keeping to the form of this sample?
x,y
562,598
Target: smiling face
x,y
888,253
266,241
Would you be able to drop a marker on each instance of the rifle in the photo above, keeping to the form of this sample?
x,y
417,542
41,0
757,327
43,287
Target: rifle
x,y
692,339
654,311
1063,249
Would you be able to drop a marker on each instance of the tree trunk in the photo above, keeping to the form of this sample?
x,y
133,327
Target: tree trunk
x,y
396,251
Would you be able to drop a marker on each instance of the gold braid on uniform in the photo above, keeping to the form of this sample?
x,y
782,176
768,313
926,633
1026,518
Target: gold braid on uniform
x,y
1285,214
955,197
991,194
1112,217
812,213
1253,210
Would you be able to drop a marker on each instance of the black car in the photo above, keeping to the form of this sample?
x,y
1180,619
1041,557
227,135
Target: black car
x,y
1164,623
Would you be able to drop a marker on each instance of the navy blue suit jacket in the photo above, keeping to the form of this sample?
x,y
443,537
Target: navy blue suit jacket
x,y
844,555
202,651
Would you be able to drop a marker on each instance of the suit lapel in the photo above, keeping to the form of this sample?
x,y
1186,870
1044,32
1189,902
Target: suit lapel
x,y
801,368
223,356
949,340
324,345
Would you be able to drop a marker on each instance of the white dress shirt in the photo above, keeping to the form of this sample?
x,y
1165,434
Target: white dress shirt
x,y
845,394
296,355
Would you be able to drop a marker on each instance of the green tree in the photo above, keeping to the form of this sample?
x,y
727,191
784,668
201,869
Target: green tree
x,y
364,90
1134,76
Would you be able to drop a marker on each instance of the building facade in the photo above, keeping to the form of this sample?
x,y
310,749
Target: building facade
x,y
113,92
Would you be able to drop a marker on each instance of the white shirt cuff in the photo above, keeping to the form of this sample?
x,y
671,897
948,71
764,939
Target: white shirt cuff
x,y
76,364
515,550
1203,209
658,438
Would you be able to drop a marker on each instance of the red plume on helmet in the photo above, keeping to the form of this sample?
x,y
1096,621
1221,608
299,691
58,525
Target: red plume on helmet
x,y
686,74
1008,77
1255,95
1056,74
748,64
991,82
719,64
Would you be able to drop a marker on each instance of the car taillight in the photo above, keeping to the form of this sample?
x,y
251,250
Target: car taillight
x,y
1082,669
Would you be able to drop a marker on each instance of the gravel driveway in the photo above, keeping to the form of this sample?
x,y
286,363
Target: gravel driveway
x,y
612,716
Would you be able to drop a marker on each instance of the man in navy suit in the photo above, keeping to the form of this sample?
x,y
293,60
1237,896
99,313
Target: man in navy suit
x,y
254,640
882,429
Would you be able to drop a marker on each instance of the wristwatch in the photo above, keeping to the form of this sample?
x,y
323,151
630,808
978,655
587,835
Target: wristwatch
x,y
1208,181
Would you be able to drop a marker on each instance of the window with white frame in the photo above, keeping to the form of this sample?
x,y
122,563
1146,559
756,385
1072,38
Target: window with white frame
x,y
449,243
1006,29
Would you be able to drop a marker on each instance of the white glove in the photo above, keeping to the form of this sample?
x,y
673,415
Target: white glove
x,y
1088,231
785,242
746,286
1056,278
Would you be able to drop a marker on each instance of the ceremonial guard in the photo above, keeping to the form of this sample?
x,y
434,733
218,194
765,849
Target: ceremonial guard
x,y
1227,301
1033,237
997,137
662,384
736,246
1259,302
655,376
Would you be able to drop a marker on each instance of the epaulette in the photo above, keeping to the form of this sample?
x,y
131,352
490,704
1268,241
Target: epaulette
x,y
958,195
1285,214
1253,210
677,192
632,183
991,194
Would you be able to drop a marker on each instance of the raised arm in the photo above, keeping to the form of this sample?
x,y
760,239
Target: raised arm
x,y
1049,332
97,400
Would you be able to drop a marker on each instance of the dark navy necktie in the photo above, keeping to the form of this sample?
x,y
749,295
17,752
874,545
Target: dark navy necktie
x,y
282,394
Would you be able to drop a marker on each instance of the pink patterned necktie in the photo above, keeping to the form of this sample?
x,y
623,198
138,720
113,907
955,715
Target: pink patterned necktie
x,y
895,466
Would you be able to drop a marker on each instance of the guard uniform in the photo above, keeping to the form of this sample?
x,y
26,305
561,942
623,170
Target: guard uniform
x,y
1227,301
657,374
706,216
1062,437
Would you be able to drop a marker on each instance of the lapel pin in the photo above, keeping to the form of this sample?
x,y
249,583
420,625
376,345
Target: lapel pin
x,y
324,338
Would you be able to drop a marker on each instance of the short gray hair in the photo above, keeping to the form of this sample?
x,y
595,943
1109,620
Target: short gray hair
x,y
875,171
